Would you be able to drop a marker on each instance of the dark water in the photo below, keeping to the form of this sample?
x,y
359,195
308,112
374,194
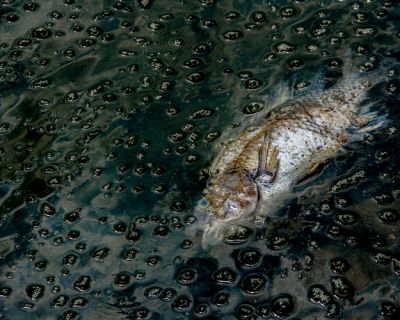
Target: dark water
x,y
111,112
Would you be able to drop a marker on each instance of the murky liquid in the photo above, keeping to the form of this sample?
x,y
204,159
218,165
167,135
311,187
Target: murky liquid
x,y
111,111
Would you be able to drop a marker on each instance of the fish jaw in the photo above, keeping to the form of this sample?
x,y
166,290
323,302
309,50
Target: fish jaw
x,y
231,195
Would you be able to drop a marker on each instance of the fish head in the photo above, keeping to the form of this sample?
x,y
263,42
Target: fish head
x,y
231,196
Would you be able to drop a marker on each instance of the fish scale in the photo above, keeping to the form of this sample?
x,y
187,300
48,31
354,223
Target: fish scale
x,y
292,141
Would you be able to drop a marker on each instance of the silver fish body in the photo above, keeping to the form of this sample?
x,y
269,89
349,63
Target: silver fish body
x,y
267,158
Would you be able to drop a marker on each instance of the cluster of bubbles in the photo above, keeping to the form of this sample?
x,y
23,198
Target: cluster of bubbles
x,y
111,111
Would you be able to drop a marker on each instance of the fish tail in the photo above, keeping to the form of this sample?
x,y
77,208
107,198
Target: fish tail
x,y
356,84
375,122
367,74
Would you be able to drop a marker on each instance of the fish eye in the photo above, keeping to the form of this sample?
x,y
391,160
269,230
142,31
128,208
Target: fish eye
x,y
203,203
232,208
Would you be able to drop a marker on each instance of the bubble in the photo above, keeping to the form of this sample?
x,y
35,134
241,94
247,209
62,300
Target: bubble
x,y
70,315
70,259
258,17
288,12
59,301
119,227
347,218
201,49
34,291
253,284
83,283
31,6
283,306
100,254
195,77
133,235
161,231
252,84
201,114
153,292
140,313
221,299
187,276
382,258
365,31
224,275
318,294
5,292
78,302
182,303
202,309
145,4
245,312
341,288
122,279
41,265
168,294
46,209
284,48
72,217
249,257
350,181
236,234
232,35
276,242
339,265
153,260
333,310
388,216
41,33
232,15
388,309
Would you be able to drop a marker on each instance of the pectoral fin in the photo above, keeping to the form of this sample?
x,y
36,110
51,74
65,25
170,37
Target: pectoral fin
x,y
313,170
268,162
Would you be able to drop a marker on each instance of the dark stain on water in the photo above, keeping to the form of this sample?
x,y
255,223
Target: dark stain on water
x,y
111,112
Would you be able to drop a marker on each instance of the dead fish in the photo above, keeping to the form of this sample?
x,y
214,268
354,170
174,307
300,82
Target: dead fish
x,y
257,169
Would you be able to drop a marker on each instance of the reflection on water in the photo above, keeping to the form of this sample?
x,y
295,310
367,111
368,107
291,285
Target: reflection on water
x,y
111,112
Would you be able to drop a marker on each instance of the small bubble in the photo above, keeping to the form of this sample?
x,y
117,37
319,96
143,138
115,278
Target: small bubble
x,y
249,257
341,288
153,292
168,294
83,283
41,33
34,291
245,312
122,279
333,310
382,258
187,276
78,302
232,35
224,276
388,216
232,15
339,265
59,301
221,299
253,284
283,305
288,12
5,292
252,84
258,17
388,309
318,294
